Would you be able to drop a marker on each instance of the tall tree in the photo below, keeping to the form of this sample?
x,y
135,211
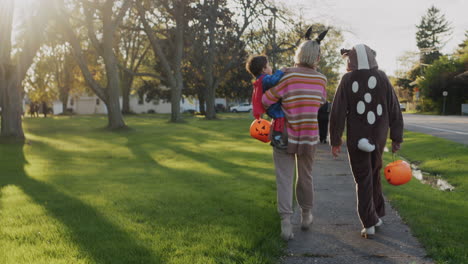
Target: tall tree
x,y
463,47
224,28
133,55
14,63
54,74
167,35
107,15
440,77
40,82
67,74
432,30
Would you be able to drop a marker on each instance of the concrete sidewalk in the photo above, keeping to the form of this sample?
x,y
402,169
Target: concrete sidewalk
x,y
334,237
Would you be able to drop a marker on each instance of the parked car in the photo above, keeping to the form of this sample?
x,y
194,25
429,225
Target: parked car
x,y
403,107
246,107
220,108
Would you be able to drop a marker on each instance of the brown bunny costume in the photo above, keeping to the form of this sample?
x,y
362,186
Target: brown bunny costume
x,y
366,100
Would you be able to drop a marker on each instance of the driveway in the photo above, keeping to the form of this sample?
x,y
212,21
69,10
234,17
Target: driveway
x,y
454,128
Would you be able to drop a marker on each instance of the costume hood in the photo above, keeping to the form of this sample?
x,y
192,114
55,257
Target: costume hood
x,y
360,57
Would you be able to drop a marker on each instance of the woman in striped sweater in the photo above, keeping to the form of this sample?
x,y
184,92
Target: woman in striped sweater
x,y
302,92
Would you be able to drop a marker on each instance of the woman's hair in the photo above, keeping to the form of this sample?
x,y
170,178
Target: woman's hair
x,y
255,64
308,53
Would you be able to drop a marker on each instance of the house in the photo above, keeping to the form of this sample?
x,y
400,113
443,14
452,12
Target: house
x,y
88,105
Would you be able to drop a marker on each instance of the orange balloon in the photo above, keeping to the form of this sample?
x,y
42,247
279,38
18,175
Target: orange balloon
x,y
398,172
260,129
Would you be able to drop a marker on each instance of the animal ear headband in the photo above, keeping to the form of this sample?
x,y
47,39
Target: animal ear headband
x,y
319,38
344,52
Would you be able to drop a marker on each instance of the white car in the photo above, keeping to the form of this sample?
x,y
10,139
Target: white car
x,y
246,107
403,107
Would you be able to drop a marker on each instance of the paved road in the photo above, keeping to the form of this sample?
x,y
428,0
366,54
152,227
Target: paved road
x,y
453,128
334,237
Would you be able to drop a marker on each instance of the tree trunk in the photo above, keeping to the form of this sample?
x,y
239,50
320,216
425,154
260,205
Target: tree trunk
x,y
64,106
10,94
172,70
12,110
201,100
114,115
209,73
127,80
64,93
114,112
176,95
210,103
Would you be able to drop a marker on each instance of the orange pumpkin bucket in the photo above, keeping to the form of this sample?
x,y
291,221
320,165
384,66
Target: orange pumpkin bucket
x,y
259,129
398,172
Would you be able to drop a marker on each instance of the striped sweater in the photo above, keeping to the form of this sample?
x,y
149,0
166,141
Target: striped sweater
x,y
302,91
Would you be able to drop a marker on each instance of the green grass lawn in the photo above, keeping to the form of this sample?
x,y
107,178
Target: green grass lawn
x,y
196,192
439,219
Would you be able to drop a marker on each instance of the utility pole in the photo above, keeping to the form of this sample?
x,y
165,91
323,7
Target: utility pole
x,y
444,93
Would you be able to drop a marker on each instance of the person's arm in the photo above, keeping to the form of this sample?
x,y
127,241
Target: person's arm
x,y
271,80
395,117
274,94
338,114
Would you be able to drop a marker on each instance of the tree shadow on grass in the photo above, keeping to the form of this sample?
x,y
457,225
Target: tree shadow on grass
x,y
96,237
213,200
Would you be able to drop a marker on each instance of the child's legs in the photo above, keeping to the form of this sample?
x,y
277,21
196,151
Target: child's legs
x,y
305,184
379,201
284,167
361,164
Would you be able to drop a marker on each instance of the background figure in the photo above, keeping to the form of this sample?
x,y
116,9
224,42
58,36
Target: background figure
x,y
44,108
323,117
33,109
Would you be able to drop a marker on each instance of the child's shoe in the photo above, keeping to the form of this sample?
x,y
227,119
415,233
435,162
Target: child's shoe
x,y
277,140
306,219
366,232
379,223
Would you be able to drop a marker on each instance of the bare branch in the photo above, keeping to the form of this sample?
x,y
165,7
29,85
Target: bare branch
x,y
141,74
78,53
123,10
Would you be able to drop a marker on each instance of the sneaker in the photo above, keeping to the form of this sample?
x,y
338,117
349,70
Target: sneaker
x,y
366,232
286,229
306,220
379,223
282,144
277,141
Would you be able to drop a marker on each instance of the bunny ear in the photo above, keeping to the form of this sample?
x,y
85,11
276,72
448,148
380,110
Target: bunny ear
x,y
321,36
308,33
344,52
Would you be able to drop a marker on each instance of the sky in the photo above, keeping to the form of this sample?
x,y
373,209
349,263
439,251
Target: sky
x,y
388,27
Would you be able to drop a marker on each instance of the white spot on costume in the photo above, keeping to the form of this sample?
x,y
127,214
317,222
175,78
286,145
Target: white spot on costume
x,y
371,117
361,107
379,109
355,87
372,82
367,97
